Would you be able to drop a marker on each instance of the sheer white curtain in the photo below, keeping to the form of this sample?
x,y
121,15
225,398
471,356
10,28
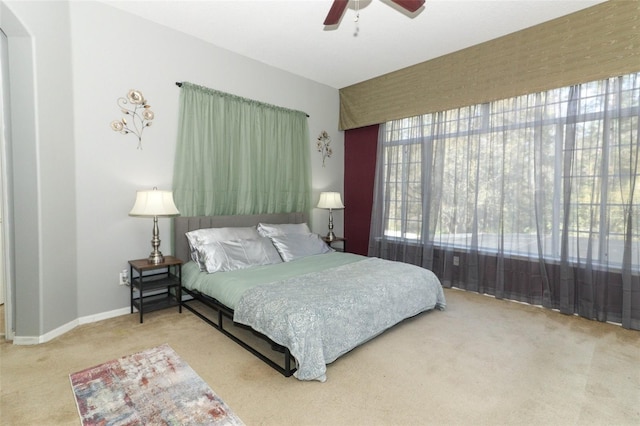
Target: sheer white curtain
x,y
532,198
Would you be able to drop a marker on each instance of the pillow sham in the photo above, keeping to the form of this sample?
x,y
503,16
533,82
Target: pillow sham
x,y
223,256
270,229
296,246
200,237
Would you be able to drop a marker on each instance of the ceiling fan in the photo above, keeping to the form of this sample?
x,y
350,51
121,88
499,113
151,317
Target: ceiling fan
x,y
338,7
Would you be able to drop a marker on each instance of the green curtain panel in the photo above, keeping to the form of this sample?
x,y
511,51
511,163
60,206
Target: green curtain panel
x,y
239,156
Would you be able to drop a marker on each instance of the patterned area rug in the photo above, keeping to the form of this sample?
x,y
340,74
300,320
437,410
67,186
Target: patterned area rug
x,y
153,387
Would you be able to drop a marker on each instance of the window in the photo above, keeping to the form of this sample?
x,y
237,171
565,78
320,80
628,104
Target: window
x,y
548,175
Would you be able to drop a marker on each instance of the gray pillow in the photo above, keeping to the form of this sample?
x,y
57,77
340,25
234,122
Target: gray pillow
x,y
295,246
223,256
270,230
200,237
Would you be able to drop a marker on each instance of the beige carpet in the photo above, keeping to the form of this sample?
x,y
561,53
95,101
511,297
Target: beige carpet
x,y
480,362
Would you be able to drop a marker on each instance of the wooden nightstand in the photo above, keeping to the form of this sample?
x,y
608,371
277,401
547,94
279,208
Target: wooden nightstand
x,y
336,240
159,284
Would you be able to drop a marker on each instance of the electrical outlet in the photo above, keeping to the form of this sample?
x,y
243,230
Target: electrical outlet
x,y
456,260
124,277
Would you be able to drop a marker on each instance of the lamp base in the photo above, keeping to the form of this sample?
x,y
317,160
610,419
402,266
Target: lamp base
x,y
156,257
331,236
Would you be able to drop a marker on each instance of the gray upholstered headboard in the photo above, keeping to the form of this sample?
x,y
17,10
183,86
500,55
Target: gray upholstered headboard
x,y
184,224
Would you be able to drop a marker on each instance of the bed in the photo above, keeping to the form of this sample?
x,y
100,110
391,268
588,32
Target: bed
x,y
309,303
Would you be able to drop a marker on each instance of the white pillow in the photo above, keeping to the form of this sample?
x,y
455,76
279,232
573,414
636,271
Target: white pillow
x,y
295,246
200,237
270,230
223,256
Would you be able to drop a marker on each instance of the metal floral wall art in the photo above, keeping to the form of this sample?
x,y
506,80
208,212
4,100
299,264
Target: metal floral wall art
x,y
324,146
140,115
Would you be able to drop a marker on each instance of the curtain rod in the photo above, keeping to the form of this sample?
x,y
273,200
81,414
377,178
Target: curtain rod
x,y
179,84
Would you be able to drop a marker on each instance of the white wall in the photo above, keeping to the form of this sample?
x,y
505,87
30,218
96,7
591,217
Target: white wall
x,y
99,170
43,259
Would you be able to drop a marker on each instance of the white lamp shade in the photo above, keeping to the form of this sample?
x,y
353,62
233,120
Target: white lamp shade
x,y
330,200
154,203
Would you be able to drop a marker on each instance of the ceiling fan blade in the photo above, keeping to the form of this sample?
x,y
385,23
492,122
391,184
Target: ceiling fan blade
x,y
410,5
336,11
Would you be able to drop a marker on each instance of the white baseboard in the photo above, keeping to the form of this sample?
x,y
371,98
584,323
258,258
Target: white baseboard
x,y
35,340
105,315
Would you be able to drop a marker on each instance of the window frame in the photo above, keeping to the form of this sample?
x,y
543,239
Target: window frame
x,y
581,118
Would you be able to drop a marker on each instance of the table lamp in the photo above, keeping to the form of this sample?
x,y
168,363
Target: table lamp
x,y
330,200
154,203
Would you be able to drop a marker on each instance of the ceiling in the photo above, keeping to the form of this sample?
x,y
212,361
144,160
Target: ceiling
x,y
289,34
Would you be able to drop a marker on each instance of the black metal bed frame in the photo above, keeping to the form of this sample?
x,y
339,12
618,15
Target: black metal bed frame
x,y
224,311
183,224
